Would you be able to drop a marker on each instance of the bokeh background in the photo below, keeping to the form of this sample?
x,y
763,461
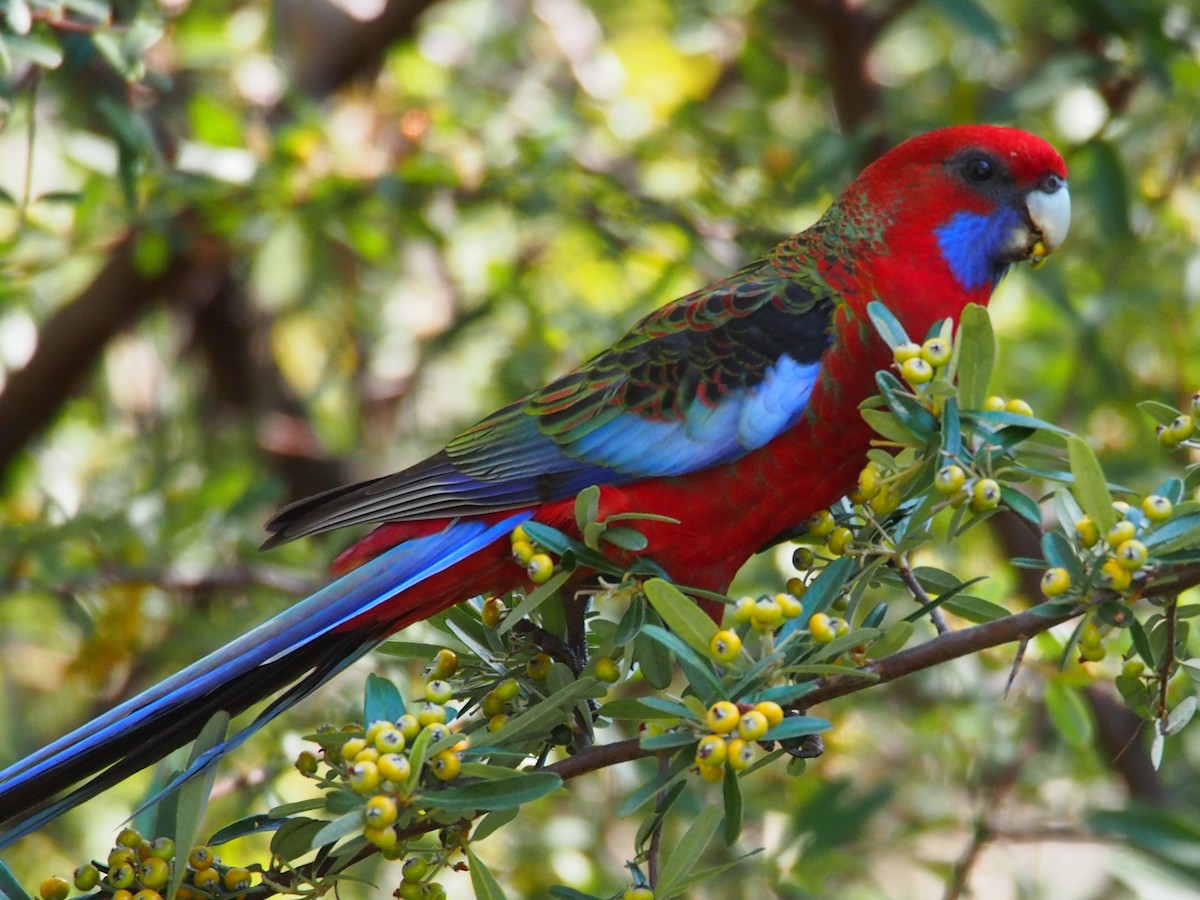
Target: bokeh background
x,y
249,251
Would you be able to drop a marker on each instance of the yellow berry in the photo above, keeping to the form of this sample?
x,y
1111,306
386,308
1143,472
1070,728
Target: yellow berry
x,y
994,404
539,666
985,495
523,551
772,710
936,352
796,587
1018,408
638,893
905,352
353,747
753,725
408,726
383,837
1115,576
1156,508
868,482
438,690
841,626
445,664
154,872
743,610
508,689
711,750
740,755
364,777
1089,635
121,876
1121,532
430,713
147,894
821,523
394,767
1087,533
237,879
390,741
821,627
380,811
839,539
201,857
493,611
883,503
1131,554
207,879
55,888
790,604
437,732
496,722
539,568
129,837
711,774
725,646
414,869
1055,581
87,877
607,670
1181,428
445,765
766,615
949,479
375,729
369,754
1133,668
723,717
916,371
803,558
122,895
518,534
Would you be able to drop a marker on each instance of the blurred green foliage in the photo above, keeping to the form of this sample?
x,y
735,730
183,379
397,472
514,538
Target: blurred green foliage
x,y
500,195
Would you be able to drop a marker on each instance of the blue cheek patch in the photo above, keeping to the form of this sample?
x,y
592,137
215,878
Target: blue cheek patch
x,y
971,245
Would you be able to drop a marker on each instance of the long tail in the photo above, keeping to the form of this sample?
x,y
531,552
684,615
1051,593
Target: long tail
x,y
296,652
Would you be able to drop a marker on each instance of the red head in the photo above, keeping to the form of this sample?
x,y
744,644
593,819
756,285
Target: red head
x,y
954,208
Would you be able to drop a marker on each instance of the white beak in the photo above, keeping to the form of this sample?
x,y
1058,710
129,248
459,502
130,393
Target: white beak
x,y
1050,212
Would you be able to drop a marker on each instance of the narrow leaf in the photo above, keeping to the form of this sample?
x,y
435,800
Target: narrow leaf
x,y
976,355
381,700
698,670
887,325
499,793
687,852
681,614
731,792
1069,714
343,826
1090,487
483,882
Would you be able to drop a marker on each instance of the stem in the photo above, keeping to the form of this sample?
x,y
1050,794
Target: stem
x,y
1168,661
919,594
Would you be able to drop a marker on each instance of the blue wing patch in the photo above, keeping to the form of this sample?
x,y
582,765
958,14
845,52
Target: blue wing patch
x,y
743,421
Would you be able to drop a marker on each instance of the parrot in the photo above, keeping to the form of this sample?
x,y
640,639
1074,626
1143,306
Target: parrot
x,y
732,414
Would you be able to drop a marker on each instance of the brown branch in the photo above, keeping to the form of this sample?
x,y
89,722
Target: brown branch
x,y
71,341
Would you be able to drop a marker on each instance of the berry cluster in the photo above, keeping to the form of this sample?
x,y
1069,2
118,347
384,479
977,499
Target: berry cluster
x,y
732,730
140,869
1181,431
537,564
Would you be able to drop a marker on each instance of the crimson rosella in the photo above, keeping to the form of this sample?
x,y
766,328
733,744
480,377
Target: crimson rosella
x,y
731,412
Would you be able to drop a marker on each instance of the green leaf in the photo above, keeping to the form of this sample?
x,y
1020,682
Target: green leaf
x,y
343,826
1069,713
381,700
681,614
409,650
498,793
37,49
293,839
654,661
1090,487
698,670
1021,504
888,426
668,741
893,638
975,609
823,590
793,727
631,622
687,852
626,538
1180,716
976,355
493,822
483,882
1058,552
638,709
911,414
1180,533
887,325
559,892
731,792
1159,412
191,797
539,719
532,601
587,506
254,825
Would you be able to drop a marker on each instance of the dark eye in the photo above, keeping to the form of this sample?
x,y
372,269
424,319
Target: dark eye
x,y
978,169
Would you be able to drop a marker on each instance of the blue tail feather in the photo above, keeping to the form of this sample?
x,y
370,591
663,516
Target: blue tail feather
x,y
181,704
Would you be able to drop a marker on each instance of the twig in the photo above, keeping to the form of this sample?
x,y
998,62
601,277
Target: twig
x,y
919,594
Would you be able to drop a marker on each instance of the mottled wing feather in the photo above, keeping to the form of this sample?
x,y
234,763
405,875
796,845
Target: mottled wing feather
x,y
701,381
